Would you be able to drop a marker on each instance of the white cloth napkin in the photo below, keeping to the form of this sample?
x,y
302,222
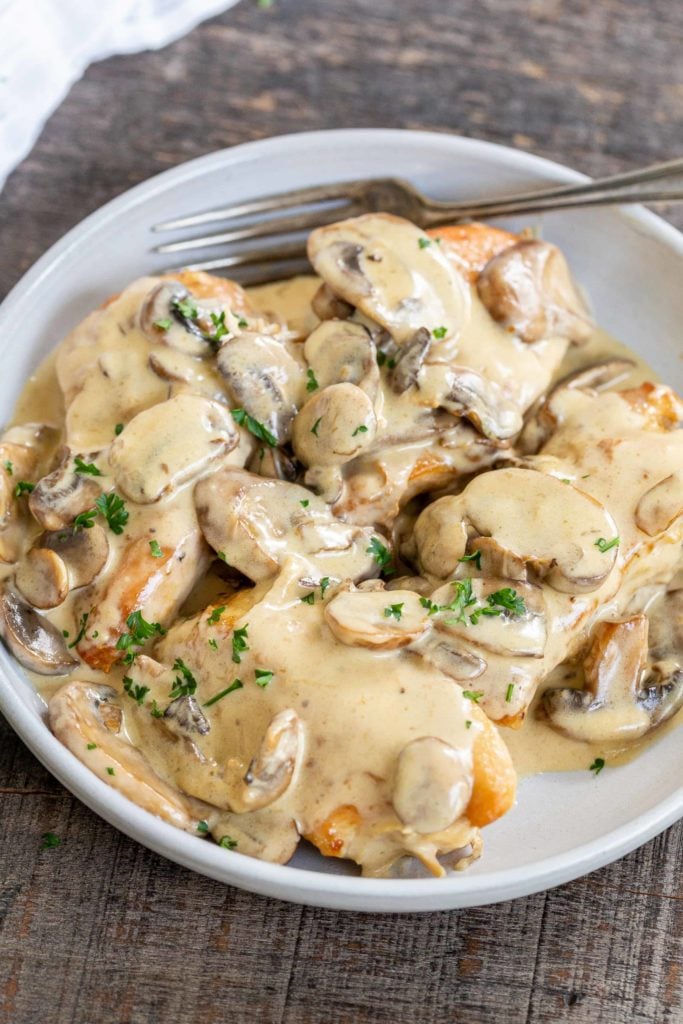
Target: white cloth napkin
x,y
47,45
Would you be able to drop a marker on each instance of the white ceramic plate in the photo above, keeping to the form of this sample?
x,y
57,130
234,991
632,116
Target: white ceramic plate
x,y
630,262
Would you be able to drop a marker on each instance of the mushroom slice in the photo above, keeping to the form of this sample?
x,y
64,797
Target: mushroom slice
x,y
617,705
551,526
661,505
433,784
163,322
32,639
444,653
272,768
87,719
441,537
256,523
409,363
264,379
529,290
84,552
336,425
43,578
342,352
376,619
174,441
184,717
491,614
63,494
376,263
598,376
464,392
273,463
327,306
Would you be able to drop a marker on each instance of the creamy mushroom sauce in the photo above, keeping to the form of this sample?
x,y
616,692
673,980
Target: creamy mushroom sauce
x,y
350,713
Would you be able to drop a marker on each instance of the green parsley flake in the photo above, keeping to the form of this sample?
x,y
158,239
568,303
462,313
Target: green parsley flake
x,y
92,746
187,308
213,644
462,600
324,584
221,555
9,467
118,429
605,545
242,322
474,557
242,417
468,724
509,692
81,631
381,554
110,771
155,549
155,711
114,511
163,325
394,611
23,487
215,615
362,429
314,428
424,243
236,684
309,598
439,333
508,598
137,693
262,677
139,631
86,468
220,328
239,643
473,695
304,503
49,841
225,841
311,383
85,520
597,766
430,605
185,684
203,826
381,358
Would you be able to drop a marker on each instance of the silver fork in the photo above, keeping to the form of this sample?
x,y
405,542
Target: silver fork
x,y
280,231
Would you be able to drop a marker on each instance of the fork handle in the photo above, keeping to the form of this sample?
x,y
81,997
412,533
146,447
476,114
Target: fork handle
x,y
629,187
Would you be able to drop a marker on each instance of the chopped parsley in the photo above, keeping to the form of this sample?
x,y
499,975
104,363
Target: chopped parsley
x,y
110,771
136,692
598,765
324,584
185,684
225,841
241,322
309,598
220,328
509,692
86,468
81,630
155,711
468,724
311,382
381,358
381,554
84,520
391,363
431,606
262,677
114,511
394,611
508,598
242,417
92,746
314,428
65,633
118,429
23,487
462,600
203,826
424,243
362,429
163,325
239,643
139,631
474,557
605,545
9,467
186,307
236,684
473,695
439,333
49,841
213,644
215,615
221,555
304,503
155,549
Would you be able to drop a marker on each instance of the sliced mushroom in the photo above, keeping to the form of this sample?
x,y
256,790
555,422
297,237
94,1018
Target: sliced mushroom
x,y
170,443
409,363
661,505
84,552
376,263
376,619
273,463
264,379
327,306
163,322
43,578
184,717
617,704
342,352
63,494
464,392
87,719
173,366
272,768
492,620
257,522
529,290
597,377
433,784
551,526
496,560
31,638
444,653
336,425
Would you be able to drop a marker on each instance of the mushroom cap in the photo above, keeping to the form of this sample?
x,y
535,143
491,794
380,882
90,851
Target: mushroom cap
x,y
375,263
336,425
43,578
362,618
181,334
528,289
433,784
342,352
272,768
63,494
32,639
551,526
84,552
661,505
168,444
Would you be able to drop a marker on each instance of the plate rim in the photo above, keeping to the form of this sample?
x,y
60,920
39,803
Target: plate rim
x,y
302,885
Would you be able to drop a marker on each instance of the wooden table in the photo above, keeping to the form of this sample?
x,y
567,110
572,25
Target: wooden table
x,y
99,929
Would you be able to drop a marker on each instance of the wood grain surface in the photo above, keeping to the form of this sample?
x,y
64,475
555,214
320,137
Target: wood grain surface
x,y
101,930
